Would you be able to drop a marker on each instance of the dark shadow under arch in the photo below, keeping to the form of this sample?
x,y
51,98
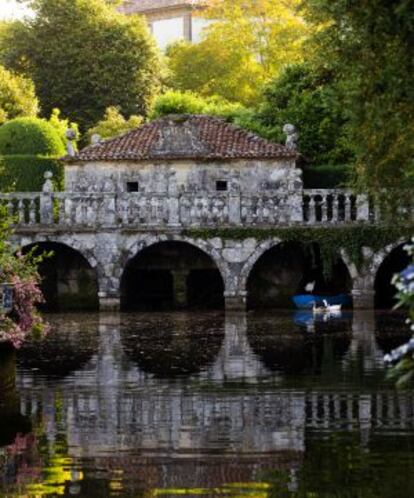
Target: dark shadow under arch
x,y
285,269
385,291
69,283
171,276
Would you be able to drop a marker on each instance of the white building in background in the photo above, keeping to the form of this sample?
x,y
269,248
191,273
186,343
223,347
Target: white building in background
x,y
169,20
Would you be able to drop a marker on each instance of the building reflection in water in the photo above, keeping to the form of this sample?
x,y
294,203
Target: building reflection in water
x,y
137,402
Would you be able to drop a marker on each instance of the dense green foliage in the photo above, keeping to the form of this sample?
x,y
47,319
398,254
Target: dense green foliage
x,y
175,102
368,45
83,57
113,123
30,136
25,173
308,98
17,96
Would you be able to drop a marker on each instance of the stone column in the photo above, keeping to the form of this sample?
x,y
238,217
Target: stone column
x,y
180,287
235,301
363,292
46,200
109,302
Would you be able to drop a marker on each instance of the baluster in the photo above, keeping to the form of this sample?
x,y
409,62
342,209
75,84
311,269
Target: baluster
x,y
335,208
32,212
61,210
20,212
78,210
68,205
324,208
312,210
123,208
10,208
348,207
362,208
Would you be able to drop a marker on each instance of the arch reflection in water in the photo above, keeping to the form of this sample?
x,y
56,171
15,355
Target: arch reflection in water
x,y
71,343
119,429
285,346
173,345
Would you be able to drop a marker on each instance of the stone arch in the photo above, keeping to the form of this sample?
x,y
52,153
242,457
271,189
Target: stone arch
x,y
77,244
290,265
387,262
69,277
364,277
253,259
177,286
379,257
135,246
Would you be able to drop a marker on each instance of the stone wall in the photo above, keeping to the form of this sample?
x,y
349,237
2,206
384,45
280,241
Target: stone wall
x,y
165,177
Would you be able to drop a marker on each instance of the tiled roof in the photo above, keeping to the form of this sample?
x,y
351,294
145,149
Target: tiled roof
x,y
131,6
184,137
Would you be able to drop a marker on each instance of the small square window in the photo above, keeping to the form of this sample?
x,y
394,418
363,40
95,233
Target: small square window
x,y
221,186
132,186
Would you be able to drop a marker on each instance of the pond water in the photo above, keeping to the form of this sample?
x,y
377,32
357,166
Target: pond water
x,y
257,405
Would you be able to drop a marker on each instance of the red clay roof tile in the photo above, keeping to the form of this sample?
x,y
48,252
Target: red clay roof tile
x,y
184,137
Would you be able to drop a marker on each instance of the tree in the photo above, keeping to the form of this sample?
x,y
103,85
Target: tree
x,y
368,45
17,96
84,56
307,97
114,123
245,45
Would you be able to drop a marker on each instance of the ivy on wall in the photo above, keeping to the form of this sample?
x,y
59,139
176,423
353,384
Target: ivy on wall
x,y
330,240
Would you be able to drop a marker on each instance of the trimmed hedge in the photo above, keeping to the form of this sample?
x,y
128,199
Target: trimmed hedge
x,y
30,136
25,173
326,176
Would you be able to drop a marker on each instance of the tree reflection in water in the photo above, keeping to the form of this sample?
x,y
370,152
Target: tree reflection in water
x,y
176,404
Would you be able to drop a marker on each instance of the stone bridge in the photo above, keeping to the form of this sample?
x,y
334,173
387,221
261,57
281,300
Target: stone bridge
x,y
109,230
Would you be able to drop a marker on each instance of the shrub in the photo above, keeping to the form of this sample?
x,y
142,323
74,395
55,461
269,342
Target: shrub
x,y
30,136
176,102
25,173
114,123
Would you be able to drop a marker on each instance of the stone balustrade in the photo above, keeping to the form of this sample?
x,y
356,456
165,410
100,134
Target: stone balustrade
x,y
137,210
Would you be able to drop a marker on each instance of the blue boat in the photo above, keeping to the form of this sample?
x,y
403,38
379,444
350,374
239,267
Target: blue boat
x,y
306,301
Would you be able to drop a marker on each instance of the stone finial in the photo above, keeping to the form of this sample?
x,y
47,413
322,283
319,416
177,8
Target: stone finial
x,y
96,139
291,136
48,185
71,136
